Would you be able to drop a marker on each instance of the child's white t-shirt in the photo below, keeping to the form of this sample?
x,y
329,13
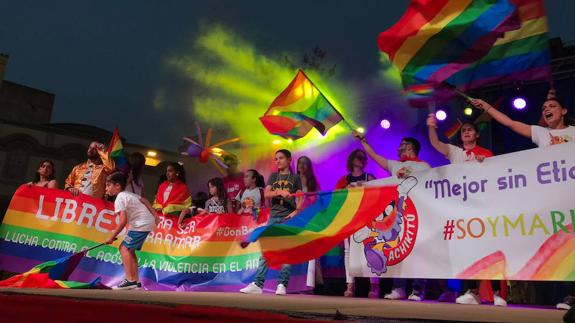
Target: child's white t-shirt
x,y
544,137
138,215
250,199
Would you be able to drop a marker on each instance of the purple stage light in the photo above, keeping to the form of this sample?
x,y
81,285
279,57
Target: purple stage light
x,y
385,124
519,103
440,115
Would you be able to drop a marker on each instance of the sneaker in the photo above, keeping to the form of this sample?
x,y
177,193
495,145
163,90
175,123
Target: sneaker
x,y
373,292
126,284
563,306
281,289
566,304
350,291
447,297
468,298
252,288
499,301
396,293
416,296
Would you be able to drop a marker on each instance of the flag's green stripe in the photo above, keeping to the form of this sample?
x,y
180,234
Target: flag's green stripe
x,y
526,45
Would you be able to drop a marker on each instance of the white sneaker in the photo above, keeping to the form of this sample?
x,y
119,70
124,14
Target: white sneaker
x,y
416,297
396,293
468,298
281,290
563,306
499,301
252,288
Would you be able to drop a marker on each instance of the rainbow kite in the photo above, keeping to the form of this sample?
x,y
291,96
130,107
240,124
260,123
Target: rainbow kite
x,y
320,227
116,152
298,109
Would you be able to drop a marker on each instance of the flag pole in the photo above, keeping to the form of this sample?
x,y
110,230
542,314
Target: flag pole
x,y
342,118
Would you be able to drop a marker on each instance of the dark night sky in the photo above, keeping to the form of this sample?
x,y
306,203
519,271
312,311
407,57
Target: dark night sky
x,y
104,59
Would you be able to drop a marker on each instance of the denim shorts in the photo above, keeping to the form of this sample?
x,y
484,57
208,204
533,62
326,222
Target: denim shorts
x,y
135,239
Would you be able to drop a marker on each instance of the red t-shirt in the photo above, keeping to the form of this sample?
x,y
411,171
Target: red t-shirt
x,y
233,185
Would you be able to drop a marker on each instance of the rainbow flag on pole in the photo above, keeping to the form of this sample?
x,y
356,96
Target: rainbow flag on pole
x,y
320,227
468,43
453,130
522,54
298,109
116,152
436,38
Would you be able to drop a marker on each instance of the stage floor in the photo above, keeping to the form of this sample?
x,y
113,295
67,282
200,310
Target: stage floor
x,y
319,307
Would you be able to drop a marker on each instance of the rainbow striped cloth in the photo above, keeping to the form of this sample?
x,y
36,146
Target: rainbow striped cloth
x,y
468,42
522,54
52,274
299,108
321,226
116,152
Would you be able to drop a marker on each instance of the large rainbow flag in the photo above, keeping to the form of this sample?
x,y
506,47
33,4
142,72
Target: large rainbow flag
x,y
468,43
320,227
298,109
522,54
116,152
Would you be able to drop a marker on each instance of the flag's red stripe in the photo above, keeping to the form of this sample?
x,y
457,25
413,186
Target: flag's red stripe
x,y
409,24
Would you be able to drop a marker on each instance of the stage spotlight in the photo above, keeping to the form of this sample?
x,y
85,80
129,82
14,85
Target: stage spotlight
x,y
385,124
519,103
468,111
440,115
290,141
360,130
277,142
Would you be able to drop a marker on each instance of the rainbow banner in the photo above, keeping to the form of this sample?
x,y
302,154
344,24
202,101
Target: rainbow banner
x,y
318,228
506,218
116,152
45,224
298,109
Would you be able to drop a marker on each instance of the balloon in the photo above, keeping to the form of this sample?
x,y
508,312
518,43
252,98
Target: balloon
x,y
204,156
194,151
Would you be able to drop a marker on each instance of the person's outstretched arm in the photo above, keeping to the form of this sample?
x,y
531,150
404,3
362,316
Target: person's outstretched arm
x,y
433,138
519,127
380,160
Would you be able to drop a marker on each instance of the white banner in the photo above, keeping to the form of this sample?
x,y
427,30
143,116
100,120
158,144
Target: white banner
x,y
510,217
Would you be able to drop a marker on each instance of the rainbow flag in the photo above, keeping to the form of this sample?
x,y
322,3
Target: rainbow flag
x,y
453,130
298,109
116,152
52,274
437,38
522,54
320,227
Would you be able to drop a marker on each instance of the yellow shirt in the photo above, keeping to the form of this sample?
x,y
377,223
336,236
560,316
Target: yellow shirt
x,y
98,177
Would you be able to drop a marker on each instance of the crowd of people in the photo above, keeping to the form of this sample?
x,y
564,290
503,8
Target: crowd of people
x,y
246,192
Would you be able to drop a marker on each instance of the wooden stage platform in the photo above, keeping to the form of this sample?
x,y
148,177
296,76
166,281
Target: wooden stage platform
x,y
317,307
